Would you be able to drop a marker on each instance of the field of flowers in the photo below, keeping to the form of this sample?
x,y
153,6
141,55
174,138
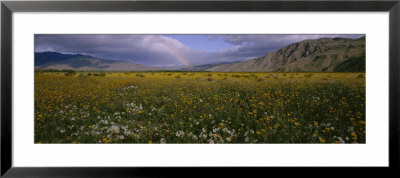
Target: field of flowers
x,y
199,107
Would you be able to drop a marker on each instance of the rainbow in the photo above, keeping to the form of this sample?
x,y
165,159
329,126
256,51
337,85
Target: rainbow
x,y
177,54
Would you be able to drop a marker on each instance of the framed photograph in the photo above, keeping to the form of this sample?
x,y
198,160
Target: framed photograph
x,y
103,88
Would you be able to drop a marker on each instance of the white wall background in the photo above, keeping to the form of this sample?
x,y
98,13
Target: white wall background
x,y
373,153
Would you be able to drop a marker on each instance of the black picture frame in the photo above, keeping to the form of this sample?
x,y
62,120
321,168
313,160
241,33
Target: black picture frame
x,y
8,7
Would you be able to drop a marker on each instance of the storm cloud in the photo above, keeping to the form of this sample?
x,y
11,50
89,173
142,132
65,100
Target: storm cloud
x,y
161,50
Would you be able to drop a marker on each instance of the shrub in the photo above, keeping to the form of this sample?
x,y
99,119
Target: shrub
x,y
100,74
308,75
139,75
69,73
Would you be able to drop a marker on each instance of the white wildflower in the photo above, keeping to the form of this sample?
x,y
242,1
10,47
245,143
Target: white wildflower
x,y
340,139
225,129
127,133
216,129
203,130
124,127
114,129
204,136
180,133
228,139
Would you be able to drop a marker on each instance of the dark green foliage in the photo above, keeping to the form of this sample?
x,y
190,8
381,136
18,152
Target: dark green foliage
x,y
308,75
69,73
141,75
99,74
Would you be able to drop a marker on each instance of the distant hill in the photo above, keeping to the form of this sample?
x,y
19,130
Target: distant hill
x,y
54,60
320,55
48,57
205,67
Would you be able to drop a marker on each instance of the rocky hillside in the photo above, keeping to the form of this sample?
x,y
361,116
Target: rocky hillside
x,y
320,55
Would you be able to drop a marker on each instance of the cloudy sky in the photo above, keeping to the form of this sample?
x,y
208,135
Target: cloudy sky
x,y
171,50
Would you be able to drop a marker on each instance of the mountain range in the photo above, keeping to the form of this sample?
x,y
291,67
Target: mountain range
x,y
321,55
318,55
79,62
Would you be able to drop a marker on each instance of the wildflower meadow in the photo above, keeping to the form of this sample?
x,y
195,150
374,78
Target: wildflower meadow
x,y
199,107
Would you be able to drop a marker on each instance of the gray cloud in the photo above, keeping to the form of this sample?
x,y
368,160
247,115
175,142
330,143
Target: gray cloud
x,y
141,49
160,50
257,45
